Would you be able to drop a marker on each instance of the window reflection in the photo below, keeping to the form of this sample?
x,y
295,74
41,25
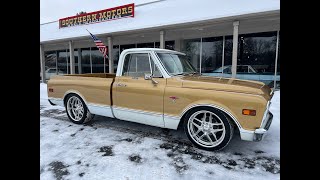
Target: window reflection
x,y
85,60
192,49
50,64
211,55
257,52
63,62
98,61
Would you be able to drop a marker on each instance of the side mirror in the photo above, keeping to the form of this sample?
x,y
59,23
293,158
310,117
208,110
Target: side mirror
x,y
148,76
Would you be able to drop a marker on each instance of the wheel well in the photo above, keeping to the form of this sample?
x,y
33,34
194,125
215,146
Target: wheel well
x,y
66,97
199,107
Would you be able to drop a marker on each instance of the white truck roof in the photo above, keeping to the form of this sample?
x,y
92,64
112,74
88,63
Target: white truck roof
x,y
151,49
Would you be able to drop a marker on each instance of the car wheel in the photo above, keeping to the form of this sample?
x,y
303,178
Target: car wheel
x,y
208,128
77,110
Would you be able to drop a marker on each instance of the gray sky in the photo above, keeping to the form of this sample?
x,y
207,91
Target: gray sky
x,y
52,10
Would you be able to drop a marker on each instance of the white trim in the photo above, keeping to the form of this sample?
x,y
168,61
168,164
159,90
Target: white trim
x,y
151,51
139,116
122,58
102,110
247,135
171,122
141,51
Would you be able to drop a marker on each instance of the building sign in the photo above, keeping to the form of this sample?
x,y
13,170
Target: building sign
x,y
98,16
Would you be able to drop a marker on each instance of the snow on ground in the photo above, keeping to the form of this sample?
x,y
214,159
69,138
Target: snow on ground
x,y
114,149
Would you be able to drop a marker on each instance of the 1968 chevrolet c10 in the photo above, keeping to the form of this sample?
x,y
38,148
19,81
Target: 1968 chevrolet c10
x,y
161,88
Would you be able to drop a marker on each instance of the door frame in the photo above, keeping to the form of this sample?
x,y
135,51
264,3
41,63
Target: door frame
x,y
135,115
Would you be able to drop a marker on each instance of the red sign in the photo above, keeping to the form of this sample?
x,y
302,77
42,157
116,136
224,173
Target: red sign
x,y
98,16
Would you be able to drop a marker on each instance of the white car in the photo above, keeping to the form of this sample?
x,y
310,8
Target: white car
x,y
246,72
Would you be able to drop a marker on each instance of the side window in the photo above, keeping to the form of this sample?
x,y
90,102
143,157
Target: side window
x,y
126,65
155,70
136,65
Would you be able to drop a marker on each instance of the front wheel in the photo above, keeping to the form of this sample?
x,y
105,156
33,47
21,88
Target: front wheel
x,y
76,109
208,128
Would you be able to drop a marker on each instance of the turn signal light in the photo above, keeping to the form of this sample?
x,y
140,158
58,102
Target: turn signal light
x,y
249,112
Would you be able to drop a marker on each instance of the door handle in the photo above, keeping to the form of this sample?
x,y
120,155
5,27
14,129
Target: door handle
x,y
121,85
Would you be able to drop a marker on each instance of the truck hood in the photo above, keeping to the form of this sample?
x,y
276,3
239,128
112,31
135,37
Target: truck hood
x,y
226,84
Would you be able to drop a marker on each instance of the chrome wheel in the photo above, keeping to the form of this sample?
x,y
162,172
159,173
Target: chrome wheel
x,y
206,128
75,108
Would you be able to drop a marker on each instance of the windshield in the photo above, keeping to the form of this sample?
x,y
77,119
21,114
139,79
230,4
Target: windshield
x,y
176,64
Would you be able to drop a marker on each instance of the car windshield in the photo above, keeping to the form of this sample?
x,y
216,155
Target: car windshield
x,y
176,64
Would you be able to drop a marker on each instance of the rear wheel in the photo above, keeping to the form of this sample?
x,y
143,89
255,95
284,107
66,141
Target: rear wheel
x,y
208,128
77,110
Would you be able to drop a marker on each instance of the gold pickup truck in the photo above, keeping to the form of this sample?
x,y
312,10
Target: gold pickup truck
x,y
161,88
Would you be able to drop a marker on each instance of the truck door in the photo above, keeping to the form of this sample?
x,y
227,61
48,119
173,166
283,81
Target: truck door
x,y
138,99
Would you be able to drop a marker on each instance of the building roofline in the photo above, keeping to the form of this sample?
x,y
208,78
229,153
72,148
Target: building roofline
x,y
177,25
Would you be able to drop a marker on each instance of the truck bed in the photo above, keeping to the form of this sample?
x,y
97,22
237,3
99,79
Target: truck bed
x,y
95,89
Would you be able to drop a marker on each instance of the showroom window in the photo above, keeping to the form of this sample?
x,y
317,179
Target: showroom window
x,y
192,49
227,63
156,44
256,57
85,60
145,45
211,56
255,61
98,61
63,61
168,45
115,55
127,46
50,63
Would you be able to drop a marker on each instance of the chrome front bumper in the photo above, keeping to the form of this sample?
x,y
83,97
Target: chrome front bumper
x,y
260,133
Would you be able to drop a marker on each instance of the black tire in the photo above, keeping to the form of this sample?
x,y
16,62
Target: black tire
x,y
87,116
228,126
